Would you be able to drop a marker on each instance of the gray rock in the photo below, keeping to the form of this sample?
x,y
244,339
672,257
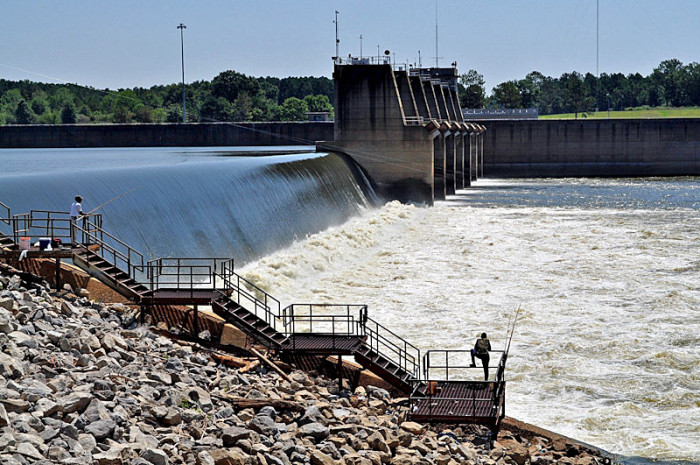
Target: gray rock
x,y
172,417
75,402
101,429
4,419
57,454
69,430
205,458
47,406
174,364
48,434
231,435
160,377
312,415
316,430
155,456
8,303
10,367
28,450
264,425
269,411
15,405
201,397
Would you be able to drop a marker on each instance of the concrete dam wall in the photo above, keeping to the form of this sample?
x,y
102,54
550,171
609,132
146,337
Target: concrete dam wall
x,y
165,135
573,148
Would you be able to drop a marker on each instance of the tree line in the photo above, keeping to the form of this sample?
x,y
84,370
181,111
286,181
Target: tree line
x,y
233,96
671,84
230,96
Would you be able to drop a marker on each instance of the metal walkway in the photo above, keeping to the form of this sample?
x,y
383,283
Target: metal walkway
x,y
442,390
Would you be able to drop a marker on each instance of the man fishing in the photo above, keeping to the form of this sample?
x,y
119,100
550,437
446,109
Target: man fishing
x,y
481,351
76,211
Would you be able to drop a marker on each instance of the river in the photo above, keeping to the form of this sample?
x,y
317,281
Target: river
x,y
606,271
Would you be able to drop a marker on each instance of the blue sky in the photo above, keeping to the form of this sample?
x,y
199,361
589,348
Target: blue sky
x,y
126,43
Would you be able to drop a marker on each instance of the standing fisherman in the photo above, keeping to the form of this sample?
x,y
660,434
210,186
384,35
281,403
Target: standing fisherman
x,y
481,350
76,211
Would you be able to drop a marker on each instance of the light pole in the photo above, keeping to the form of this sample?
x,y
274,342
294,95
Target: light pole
x,y
182,27
360,48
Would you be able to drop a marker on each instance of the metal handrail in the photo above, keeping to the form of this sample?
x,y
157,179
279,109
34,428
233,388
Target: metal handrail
x,y
130,257
381,340
414,120
178,272
300,319
305,312
265,307
408,355
428,366
7,214
48,215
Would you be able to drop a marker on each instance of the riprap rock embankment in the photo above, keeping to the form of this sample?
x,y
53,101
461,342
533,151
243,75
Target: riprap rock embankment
x,y
82,383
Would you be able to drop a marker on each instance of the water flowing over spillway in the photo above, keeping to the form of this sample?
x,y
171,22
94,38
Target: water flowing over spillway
x,y
606,271
189,202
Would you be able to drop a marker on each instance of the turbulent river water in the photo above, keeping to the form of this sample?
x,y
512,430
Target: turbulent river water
x,y
606,272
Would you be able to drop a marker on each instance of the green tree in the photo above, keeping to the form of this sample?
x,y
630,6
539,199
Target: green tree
x,y
144,114
293,109
23,114
68,114
243,107
215,109
508,95
577,94
472,93
230,84
319,103
672,76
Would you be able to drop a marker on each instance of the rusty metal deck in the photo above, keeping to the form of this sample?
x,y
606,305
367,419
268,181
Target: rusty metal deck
x,y
322,344
174,296
458,401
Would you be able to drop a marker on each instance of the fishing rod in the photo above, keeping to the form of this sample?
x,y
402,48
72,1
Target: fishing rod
x,y
512,328
111,200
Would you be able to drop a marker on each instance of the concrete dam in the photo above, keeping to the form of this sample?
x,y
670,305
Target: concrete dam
x,y
404,128
586,148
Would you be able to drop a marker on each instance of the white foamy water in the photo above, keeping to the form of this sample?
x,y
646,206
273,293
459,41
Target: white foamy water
x,y
606,348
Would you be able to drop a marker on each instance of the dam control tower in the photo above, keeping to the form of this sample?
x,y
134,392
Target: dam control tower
x,y
404,128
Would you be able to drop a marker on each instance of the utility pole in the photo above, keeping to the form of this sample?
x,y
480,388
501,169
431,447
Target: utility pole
x,y
337,40
182,27
360,48
597,51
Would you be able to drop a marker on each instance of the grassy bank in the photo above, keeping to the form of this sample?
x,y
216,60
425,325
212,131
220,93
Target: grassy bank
x,y
643,112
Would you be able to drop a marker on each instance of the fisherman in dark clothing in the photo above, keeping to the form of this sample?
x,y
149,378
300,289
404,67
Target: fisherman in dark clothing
x,y
481,351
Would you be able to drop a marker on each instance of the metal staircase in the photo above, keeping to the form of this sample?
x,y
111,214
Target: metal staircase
x,y
300,329
110,260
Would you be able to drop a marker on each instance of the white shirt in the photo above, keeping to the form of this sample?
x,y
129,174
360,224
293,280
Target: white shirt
x,y
75,209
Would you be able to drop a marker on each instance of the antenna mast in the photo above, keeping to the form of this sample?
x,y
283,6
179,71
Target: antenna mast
x,y
436,35
337,40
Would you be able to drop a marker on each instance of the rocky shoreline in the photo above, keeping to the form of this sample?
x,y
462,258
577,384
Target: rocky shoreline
x,y
82,383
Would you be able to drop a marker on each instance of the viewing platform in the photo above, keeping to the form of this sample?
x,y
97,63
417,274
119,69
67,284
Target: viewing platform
x,y
442,390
